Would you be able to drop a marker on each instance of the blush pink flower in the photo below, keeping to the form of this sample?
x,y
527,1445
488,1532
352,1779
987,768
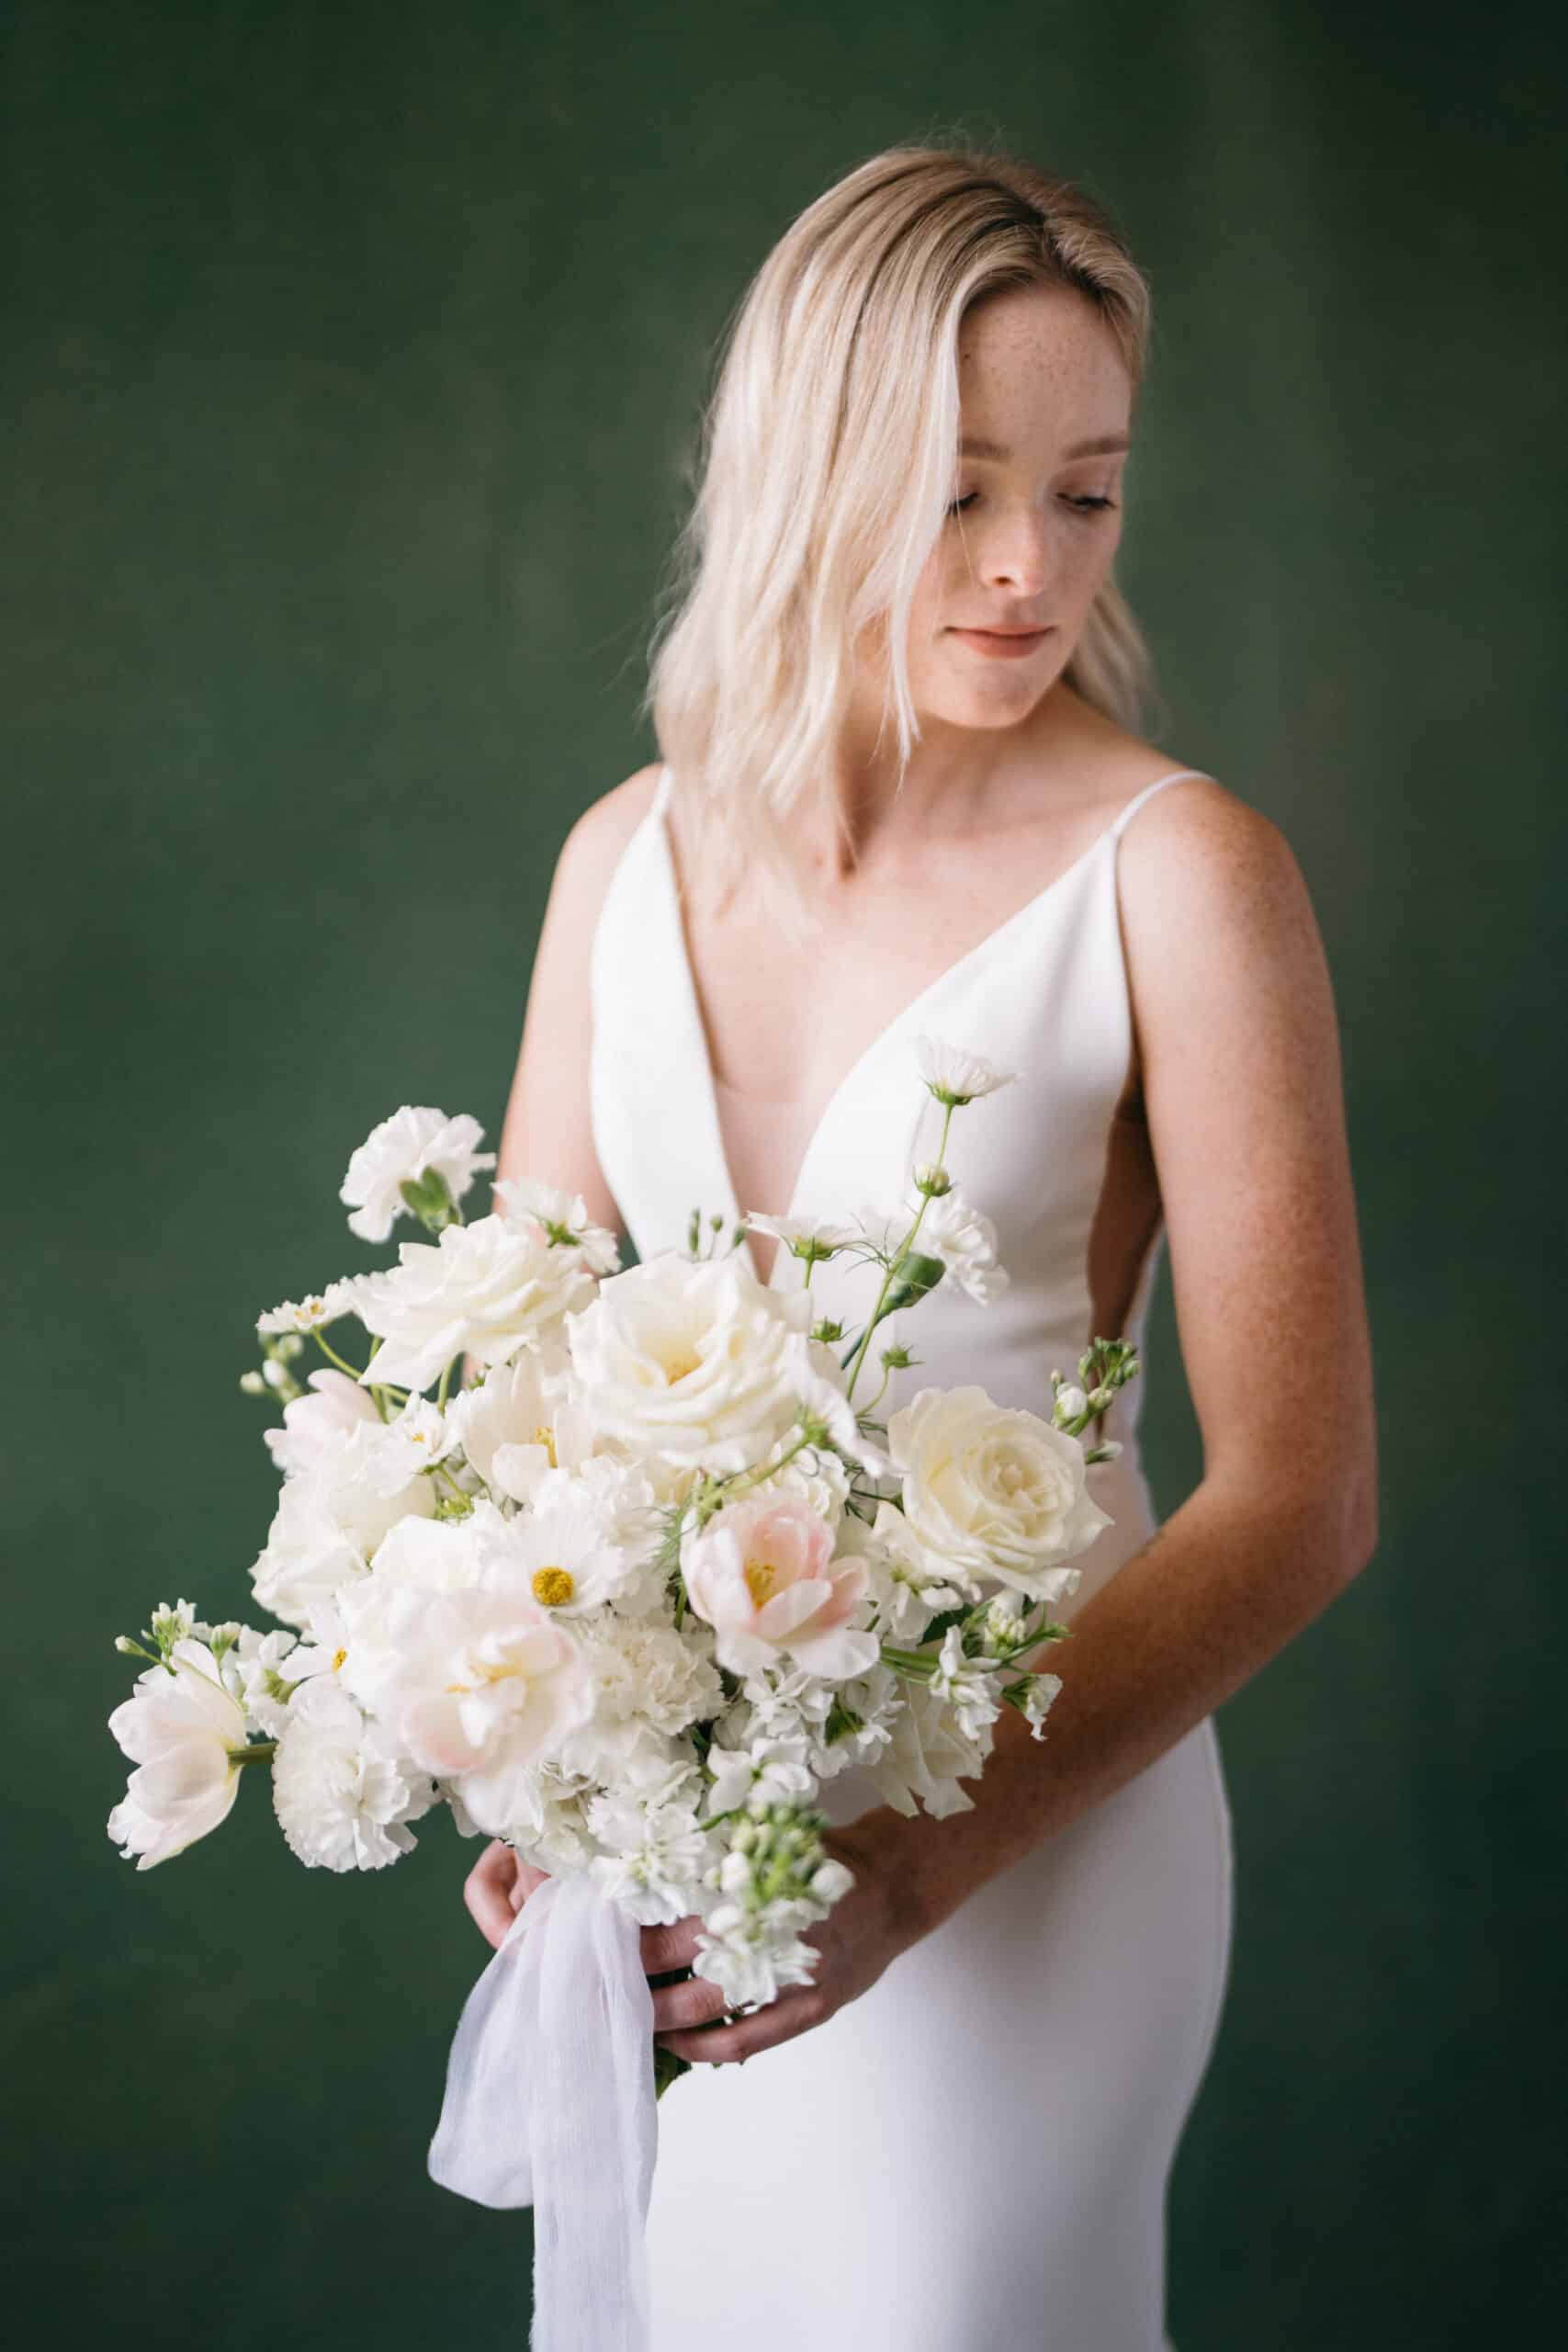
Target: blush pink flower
x,y
763,1573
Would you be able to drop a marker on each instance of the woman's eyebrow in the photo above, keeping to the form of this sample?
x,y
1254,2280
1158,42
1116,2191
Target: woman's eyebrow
x,y
1105,445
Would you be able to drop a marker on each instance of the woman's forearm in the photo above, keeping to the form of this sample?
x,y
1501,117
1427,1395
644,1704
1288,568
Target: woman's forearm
x,y
1218,1590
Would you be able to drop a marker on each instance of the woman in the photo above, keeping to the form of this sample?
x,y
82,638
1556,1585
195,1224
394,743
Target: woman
x,y
961,2136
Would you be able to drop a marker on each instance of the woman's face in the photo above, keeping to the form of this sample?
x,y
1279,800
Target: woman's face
x,y
1036,518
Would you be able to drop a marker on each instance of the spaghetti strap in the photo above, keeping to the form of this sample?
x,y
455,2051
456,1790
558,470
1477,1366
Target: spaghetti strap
x,y
1136,802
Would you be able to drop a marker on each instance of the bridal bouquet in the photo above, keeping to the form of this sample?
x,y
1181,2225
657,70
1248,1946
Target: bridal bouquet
x,y
626,1598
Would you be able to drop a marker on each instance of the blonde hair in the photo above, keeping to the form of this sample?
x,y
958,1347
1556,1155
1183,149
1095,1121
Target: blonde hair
x,y
824,470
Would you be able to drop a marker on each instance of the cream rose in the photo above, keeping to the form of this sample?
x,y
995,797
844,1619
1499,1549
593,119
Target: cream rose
x,y
993,1490
693,1361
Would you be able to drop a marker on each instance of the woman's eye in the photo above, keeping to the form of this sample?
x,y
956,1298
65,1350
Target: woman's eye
x,y
1081,504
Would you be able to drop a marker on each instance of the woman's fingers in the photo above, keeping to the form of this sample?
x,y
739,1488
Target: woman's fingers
x,y
492,1891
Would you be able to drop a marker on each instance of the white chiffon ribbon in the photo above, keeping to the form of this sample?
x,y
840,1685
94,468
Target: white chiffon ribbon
x,y
550,2103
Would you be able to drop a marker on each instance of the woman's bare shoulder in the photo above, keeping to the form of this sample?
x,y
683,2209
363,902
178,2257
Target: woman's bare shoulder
x,y
1200,853
593,848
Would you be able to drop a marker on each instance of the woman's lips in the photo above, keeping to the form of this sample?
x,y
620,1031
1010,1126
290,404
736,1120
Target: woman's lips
x,y
1010,648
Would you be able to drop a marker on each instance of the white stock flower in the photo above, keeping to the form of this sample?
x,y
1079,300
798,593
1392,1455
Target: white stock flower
x,y
311,1424
991,1490
329,1522
412,1143
177,1727
658,1850
487,1289
314,1311
965,1238
250,1668
967,1683
909,1586
953,1074
691,1361
926,1755
406,1445
772,1768
342,1798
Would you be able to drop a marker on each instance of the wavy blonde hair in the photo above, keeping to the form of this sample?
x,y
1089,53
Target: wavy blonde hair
x,y
824,468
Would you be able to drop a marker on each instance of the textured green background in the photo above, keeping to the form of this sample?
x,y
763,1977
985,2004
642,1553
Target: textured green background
x,y
350,359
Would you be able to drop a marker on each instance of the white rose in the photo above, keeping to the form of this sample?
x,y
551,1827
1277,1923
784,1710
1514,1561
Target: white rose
x,y
994,1490
413,1142
178,1730
486,1289
691,1361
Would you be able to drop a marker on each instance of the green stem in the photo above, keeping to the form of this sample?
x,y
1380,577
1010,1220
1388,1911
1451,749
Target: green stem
x,y
903,1252
258,1751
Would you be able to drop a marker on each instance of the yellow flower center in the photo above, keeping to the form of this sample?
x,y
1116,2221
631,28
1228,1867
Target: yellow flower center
x,y
760,1578
546,1437
338,1657
676,1367
552,1586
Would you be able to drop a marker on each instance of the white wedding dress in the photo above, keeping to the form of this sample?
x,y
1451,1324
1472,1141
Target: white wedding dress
x,y
973,2156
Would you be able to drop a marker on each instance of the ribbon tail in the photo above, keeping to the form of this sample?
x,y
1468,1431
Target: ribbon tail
x,y
550,2102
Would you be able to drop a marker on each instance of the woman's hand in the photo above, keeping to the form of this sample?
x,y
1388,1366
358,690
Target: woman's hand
x,y
865,1930
497,1887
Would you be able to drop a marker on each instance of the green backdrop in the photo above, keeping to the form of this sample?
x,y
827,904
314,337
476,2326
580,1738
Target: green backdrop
x,y
351,357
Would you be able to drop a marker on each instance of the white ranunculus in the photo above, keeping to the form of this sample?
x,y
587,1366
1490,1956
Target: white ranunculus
x,y
475,1686
330,1522
763,1573
691,1359
485,1289
343,1799
965,1238
312,1423
178,1729
954,1074
518,1422
412,1143
994,1491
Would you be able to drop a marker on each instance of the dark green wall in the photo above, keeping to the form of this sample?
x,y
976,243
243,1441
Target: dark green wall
x,y
350,359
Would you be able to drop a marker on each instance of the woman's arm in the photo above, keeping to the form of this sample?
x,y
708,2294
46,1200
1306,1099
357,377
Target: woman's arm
x,y
547,1130
1234,1013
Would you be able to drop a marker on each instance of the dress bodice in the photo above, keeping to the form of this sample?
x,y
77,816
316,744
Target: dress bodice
x,y
1045,994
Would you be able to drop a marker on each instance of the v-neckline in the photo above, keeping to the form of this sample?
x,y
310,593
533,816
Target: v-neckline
x,y
915,1009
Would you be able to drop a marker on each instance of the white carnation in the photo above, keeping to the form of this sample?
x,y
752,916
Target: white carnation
x,y
343,1799
412,1143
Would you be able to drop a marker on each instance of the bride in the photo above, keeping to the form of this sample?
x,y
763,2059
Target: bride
x,y
904,793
